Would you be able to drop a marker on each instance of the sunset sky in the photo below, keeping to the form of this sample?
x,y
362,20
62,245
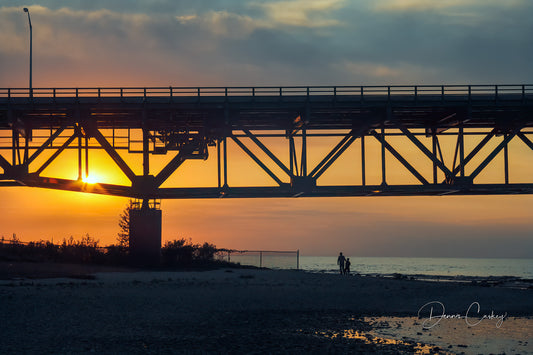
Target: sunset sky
x,y
258,43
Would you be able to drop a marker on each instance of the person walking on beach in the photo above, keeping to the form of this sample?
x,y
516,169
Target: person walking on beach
x,y
347,266
340,261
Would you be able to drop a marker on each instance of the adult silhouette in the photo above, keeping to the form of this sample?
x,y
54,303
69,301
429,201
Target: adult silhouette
x,y
340,261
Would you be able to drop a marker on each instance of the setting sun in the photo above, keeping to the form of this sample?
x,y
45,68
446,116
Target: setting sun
x,y
91,179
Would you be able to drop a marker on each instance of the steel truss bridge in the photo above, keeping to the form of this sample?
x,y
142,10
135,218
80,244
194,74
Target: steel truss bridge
x,y
38,125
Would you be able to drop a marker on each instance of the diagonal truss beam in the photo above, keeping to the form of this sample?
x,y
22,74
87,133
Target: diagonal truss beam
x,y
113,154
426,151
332,153
257,160
337,151
474,151
399,157
492,155
4,163
48,142
56,154
526,140
170,168
267,151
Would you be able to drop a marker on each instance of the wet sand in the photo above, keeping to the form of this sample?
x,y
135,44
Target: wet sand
x,y
254,311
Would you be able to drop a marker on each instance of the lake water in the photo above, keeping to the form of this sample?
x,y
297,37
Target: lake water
x,y
448,267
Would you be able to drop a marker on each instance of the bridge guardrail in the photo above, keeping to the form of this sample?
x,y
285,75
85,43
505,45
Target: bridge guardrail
x,y
416,92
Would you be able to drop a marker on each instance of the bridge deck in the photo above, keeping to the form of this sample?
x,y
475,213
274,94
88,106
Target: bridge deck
x,y
270,108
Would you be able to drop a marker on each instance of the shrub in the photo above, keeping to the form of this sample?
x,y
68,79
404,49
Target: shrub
x,y
185,252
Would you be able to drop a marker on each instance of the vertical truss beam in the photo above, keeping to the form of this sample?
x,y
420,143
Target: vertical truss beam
x,y
80,152
26,148
383,164
14,143
506,162
219,175
461,139
303,168
225,156
222,163
293,157
363,161
146,151
86,157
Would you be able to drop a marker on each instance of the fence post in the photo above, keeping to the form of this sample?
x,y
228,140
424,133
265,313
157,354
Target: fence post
x,y
260,259
298,259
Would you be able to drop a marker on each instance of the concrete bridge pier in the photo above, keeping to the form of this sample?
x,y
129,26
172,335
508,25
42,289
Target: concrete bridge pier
x,y
145,234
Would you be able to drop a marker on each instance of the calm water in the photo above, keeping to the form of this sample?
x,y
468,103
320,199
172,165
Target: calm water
x,y
425,266
522,268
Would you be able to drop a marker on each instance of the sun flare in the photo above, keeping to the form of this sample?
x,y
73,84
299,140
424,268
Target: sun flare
x,y
91,179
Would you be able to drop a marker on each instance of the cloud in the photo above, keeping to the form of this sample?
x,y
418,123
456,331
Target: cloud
x,y
286,42
223,23
304,13
426,5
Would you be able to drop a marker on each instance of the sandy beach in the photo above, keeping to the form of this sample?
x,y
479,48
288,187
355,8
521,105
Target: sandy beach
x,y
258,311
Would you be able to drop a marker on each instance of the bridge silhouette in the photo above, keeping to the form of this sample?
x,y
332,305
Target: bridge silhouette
x,y
187,121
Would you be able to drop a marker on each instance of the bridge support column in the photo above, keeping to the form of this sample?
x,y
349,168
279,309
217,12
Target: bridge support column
x,y
145,235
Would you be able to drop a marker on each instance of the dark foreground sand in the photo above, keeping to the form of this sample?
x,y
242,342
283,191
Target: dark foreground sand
x,y
251,311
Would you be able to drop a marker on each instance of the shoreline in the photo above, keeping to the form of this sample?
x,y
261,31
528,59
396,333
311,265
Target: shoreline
x,y
19,270
398,290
